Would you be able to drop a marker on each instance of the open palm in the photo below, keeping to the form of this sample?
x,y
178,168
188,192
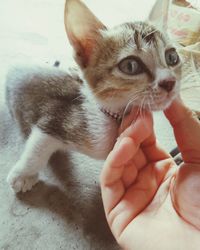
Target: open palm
x,y
137,183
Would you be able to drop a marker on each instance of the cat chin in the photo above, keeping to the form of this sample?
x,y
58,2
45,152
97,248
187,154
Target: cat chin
x,y
159,107
120,106
162,106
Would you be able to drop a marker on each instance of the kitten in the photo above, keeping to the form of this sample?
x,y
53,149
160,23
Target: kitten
x,y
133,64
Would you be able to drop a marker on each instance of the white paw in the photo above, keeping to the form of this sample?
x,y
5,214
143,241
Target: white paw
x,y
21,183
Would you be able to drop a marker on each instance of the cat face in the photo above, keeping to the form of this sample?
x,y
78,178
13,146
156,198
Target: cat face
x,y
133,64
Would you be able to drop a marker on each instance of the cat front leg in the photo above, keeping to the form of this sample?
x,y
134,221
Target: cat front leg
x,y
38,149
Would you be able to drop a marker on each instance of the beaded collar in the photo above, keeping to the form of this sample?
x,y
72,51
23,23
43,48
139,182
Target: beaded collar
x,y
114,115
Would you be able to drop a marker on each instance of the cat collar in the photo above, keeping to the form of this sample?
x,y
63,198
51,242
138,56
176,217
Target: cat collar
x,y
113,115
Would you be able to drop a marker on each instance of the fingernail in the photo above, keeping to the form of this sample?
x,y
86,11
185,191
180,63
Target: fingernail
x,y
119,143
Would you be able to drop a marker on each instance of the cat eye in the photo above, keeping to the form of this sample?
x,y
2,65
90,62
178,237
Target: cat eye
x,y
172,57
130,66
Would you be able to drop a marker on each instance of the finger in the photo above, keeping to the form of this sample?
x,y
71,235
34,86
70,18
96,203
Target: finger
x,y
112,185
125,149
140,159
142,133
138,196
178,112
153,151
186,129
129,175
131,118
140,130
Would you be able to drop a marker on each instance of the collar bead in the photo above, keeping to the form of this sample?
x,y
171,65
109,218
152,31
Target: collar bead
x,y
113,115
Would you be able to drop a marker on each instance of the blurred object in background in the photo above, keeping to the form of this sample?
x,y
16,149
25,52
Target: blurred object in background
x,y
184,27
183,24
194,3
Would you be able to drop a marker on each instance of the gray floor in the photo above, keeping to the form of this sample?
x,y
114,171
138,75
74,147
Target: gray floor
x,y
64,211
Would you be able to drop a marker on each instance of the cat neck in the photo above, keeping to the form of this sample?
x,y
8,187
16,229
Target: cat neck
x,y
116,116
90,98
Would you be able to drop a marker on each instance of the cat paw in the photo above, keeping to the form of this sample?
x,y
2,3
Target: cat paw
x,y
21,183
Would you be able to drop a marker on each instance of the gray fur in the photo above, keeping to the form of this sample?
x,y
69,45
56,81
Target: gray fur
x,y
48,98
58,110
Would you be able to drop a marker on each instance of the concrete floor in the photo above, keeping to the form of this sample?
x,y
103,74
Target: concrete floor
x,y
64,211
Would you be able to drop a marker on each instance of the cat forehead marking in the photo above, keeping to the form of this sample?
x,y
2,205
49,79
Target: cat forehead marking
x,y
138,34
138,39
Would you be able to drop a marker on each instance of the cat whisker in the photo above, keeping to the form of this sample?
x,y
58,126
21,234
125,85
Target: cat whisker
x,y
124,113
194,66
148,105
127,106
143,107
145,50
150,33
189,87
137,95
139,111
78,97
81,95
94,93
131,44
151,97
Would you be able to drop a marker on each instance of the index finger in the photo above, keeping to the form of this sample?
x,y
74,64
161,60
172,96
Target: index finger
x,y
112,185
140,130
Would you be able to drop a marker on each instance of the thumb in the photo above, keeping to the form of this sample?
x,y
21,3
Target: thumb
x,y
178,112
186,129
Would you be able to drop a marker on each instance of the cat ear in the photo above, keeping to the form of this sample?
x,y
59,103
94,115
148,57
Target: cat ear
x,y
159,14
82,28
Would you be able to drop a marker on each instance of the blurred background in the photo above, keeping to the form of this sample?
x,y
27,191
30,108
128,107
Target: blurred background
x,y
34,29
64,210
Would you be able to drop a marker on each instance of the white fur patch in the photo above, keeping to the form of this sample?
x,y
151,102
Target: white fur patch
x,y
103,129
38,149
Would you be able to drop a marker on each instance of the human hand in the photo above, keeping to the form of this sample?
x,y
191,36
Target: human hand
x,y
186,190
137,184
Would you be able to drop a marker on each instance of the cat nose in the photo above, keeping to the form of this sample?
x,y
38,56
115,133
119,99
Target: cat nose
x,y
167,84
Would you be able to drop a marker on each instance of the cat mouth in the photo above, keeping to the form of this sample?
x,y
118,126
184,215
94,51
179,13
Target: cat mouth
x,y
155,105
118,115
158,105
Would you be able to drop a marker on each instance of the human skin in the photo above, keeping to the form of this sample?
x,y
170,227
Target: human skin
x,y
150,203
